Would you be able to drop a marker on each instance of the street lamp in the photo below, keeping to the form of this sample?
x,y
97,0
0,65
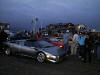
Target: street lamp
x,y
35,19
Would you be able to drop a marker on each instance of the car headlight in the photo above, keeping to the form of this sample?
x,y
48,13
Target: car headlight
x,y
50,55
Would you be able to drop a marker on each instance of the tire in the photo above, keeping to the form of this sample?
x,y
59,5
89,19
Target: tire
x,y
8,52
41,57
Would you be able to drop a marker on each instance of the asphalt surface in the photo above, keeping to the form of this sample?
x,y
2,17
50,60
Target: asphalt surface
x,y
71,65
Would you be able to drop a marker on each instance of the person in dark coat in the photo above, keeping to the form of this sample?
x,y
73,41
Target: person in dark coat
x,y
88,48
97,44
3,38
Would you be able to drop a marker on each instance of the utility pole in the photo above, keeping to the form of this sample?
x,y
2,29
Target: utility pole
x,y
35,19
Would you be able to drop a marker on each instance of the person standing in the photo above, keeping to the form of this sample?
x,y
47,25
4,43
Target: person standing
x,y
3,38
88,48
81,43
74,43
65,41
97,44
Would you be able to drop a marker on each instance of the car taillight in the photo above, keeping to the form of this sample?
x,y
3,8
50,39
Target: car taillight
x,y
60,46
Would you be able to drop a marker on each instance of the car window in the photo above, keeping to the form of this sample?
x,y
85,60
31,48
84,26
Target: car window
x,y
31,44
38,44
20,42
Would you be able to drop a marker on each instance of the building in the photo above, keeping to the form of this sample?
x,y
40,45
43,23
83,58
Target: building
x,y
5,27
81,28
59,28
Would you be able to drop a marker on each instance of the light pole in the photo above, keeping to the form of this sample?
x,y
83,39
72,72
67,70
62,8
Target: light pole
x,y
35,19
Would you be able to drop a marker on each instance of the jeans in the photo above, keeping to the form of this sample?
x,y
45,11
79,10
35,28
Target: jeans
x,y
87,55
74,48
66,47
81,51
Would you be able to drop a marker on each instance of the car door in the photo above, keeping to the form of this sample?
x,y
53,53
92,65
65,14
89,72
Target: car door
x,y
13,47
26,49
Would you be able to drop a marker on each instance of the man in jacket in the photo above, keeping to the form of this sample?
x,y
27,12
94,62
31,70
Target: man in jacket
x,y
88,48
81,42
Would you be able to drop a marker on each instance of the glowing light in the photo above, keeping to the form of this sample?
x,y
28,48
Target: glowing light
x,y
60,46
78,27
48,56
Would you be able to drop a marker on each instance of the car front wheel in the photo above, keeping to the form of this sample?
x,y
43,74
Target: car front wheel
x,y
41,57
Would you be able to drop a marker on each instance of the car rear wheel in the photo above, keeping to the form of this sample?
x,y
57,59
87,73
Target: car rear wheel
x,y
41,57
8,51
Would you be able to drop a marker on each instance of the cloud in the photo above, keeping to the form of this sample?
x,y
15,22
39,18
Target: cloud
x,y
50,11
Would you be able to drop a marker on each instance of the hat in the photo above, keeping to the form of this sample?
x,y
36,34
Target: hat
x,y
67,30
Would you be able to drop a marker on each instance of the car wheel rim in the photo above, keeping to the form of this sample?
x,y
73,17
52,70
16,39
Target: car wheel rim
x,y
41,57
7,52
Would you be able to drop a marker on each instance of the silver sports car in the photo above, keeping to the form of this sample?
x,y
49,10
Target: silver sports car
x,y
41,50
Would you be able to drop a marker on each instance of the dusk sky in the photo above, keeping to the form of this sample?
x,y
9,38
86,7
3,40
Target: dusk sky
x,y
19,13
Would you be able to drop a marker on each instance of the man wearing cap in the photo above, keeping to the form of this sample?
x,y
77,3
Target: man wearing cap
x,y
81,42
66,37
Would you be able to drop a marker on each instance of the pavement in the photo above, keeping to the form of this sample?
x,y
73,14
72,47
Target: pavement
x,y
71,65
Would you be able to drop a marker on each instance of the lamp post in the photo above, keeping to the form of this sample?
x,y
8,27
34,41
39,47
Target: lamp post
x,y
34,24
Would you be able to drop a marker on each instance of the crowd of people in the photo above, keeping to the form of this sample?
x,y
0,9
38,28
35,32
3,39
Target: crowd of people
x,y
83,45
80,44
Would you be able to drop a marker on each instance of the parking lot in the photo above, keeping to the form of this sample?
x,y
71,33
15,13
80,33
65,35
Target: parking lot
x,y
17,65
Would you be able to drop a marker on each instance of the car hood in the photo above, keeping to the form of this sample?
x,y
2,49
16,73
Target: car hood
x,y
54,51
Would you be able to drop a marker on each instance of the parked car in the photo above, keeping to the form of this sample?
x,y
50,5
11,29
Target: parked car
x,y
41,50
18,36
